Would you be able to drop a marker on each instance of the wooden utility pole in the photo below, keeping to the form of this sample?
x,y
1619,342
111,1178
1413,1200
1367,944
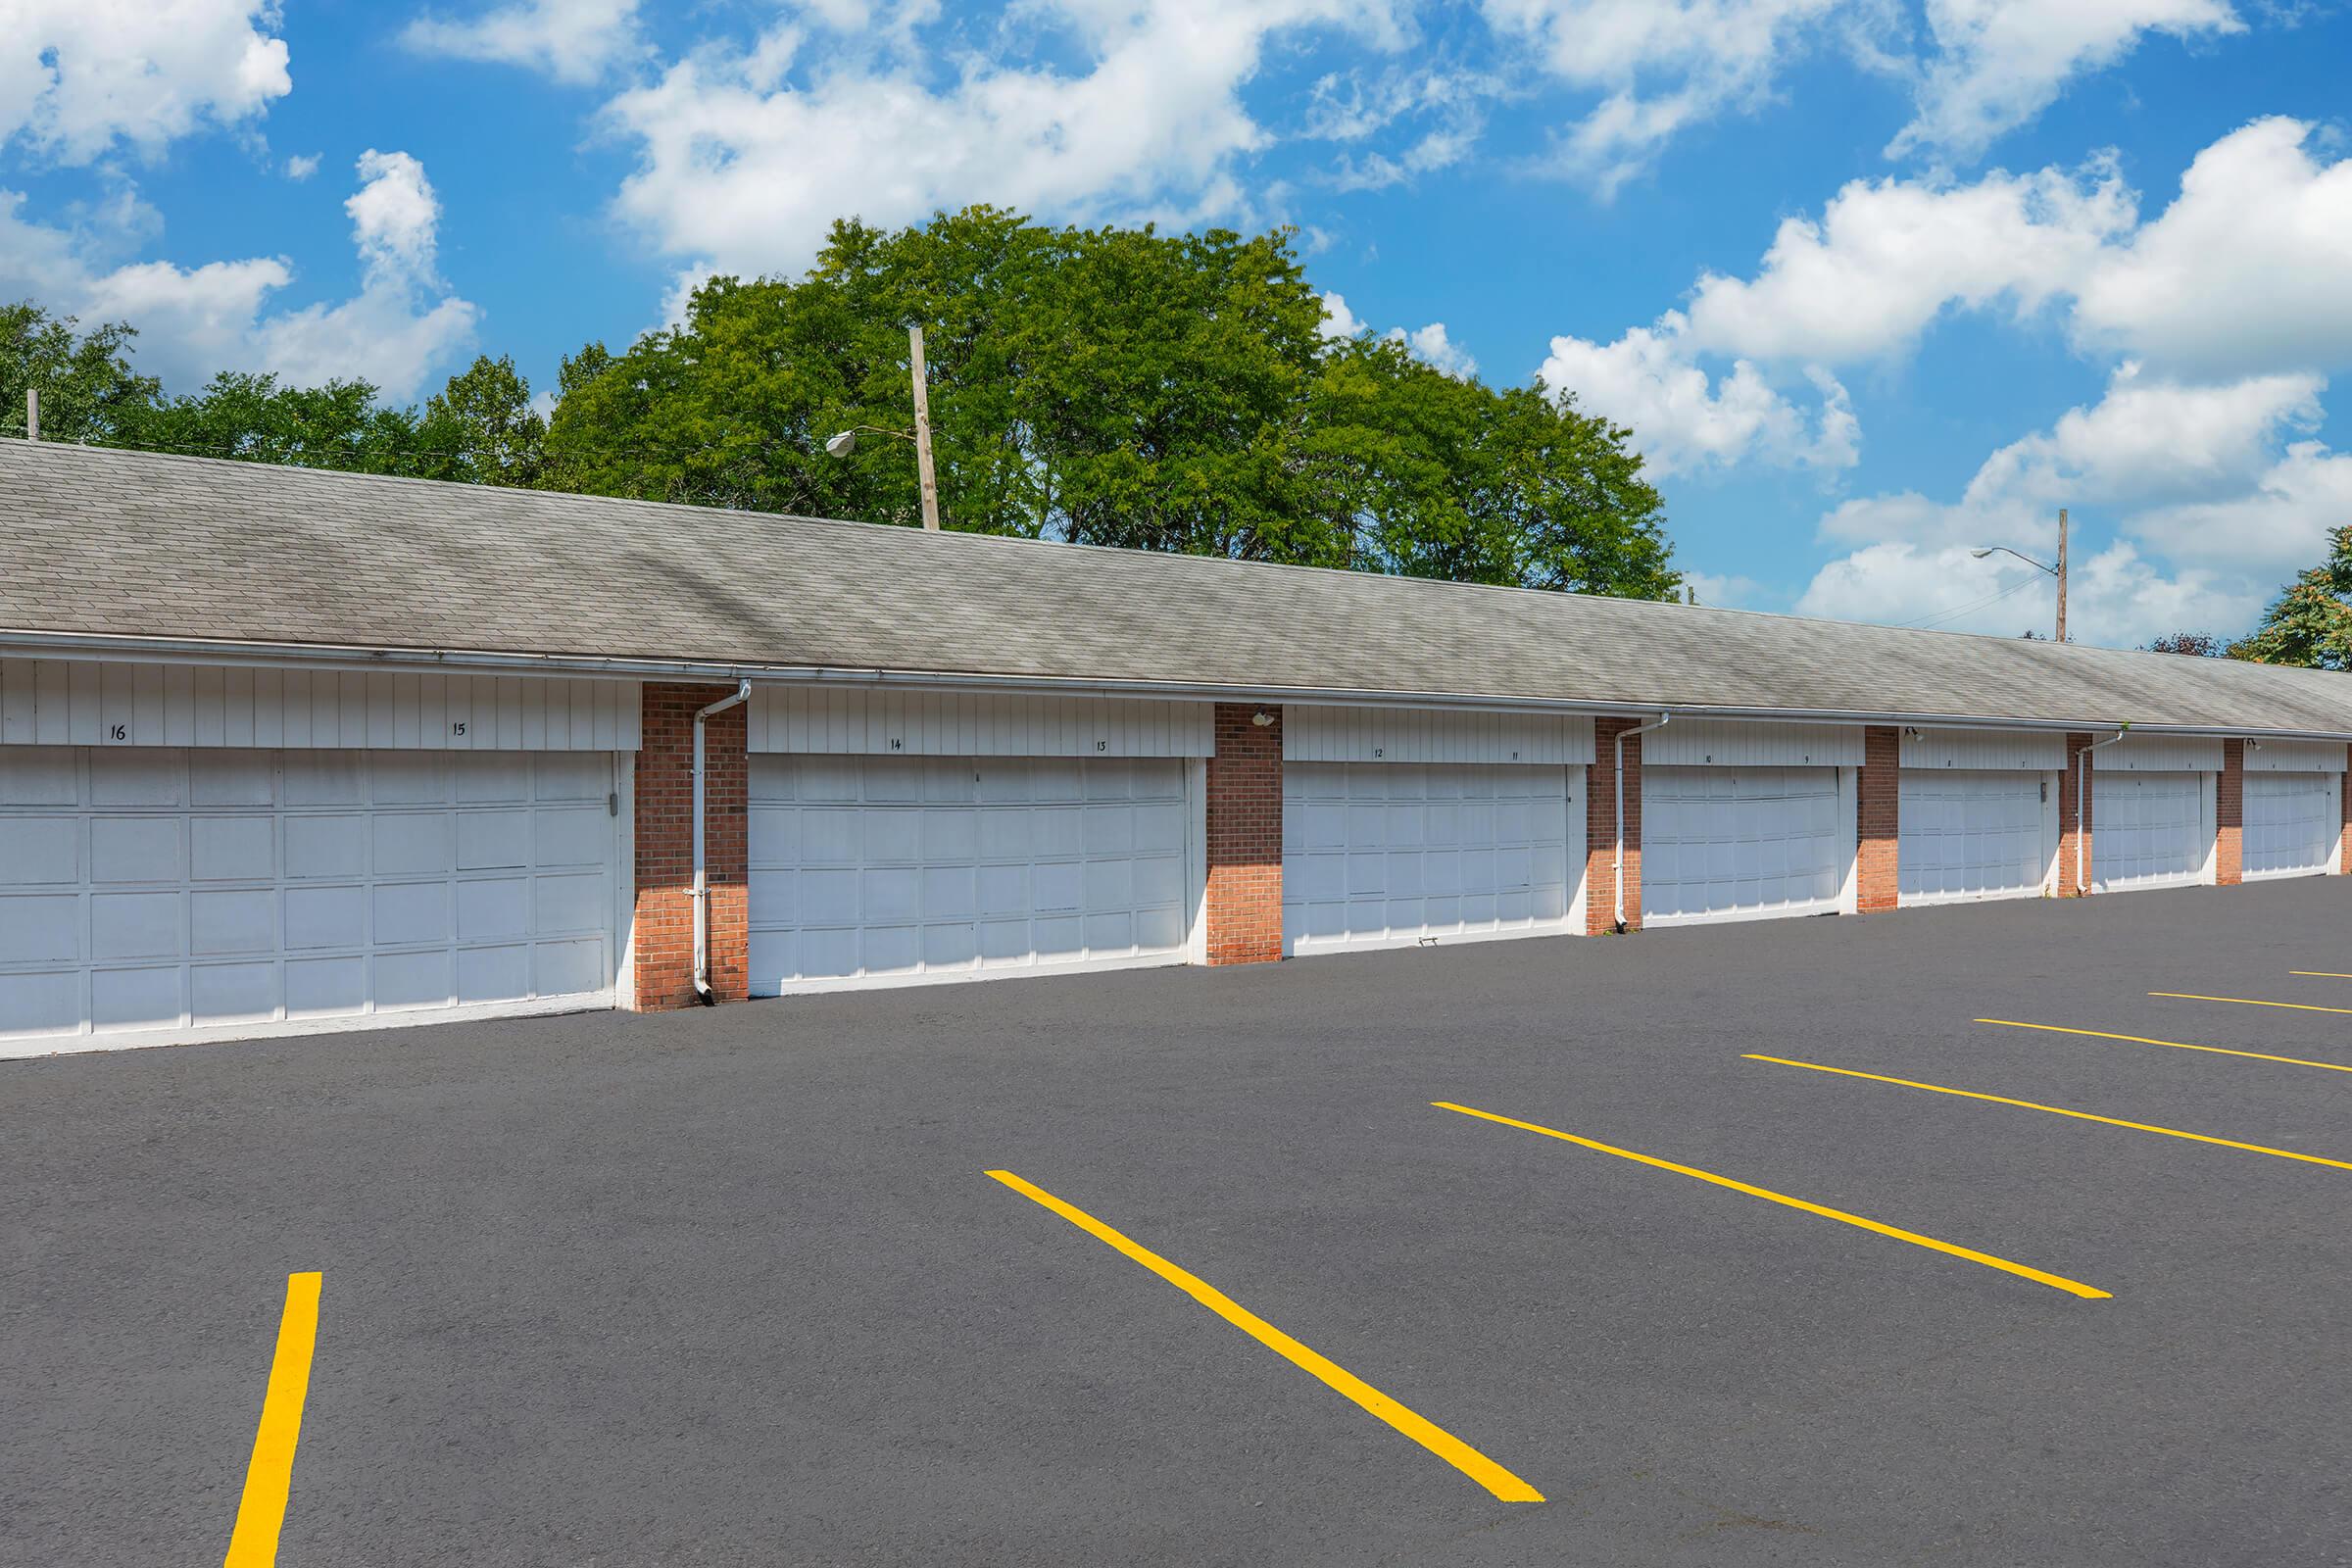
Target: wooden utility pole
x,y
2062,574
922,430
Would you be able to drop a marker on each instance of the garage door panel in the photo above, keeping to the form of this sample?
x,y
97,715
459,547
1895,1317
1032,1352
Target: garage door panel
x,y
264,894
2149,829
233,993
490,911
406,980
39,775
1734,842
232,920
325,916
135,999
325,845
494,974
1384,854
2292,825
946,853
135,849
232,848
37,1003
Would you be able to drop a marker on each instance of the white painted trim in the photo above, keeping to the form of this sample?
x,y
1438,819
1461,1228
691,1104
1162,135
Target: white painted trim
x,y
1569,927
403,1019
1849,811
624,882
2290,874
1196,858
960,977
1668,922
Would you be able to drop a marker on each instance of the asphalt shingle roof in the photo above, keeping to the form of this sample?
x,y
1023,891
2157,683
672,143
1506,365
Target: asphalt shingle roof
x,y
145,545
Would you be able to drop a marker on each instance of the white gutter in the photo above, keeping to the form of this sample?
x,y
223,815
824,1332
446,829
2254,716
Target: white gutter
x,y
312,656
1618,875
701,877
2083,793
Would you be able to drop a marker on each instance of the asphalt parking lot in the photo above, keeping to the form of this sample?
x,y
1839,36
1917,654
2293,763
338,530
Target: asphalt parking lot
x,y
737,1286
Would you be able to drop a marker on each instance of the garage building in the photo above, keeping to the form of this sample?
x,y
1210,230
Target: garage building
x,y
286,750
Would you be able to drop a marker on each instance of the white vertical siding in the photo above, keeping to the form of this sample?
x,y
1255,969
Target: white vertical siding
x,y
928,723
2295,756
55,702
2160,753
1739,743
2025,750
1432,735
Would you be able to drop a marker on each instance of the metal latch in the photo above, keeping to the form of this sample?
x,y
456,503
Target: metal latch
x,y
612,802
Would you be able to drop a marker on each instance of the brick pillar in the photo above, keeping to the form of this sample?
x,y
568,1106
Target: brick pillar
x,y
1245,837
2230,815
2077,743
1600,829
664,951
1878,796
2343,861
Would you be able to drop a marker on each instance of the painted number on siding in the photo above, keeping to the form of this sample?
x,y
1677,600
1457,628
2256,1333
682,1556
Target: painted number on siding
x,y
1378,752
1101,746
898,742
118,732
457,728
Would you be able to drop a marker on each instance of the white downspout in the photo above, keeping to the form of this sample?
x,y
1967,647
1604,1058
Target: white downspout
x,y
1617,877
2082,793
701,875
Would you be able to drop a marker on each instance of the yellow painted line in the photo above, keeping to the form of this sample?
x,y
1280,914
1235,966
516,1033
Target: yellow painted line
x,y
1436,1439
2055,1282
2060,1110
2177,1044
2320,974
271,1475
2248,1001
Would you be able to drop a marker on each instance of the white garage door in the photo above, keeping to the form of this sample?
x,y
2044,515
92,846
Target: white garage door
x,y
894,871
2150,830
1386,854
153,891
1743,843
1973,835
2293,823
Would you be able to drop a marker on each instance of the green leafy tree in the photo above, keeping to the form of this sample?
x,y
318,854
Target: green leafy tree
x,y
1108,386
85,381
482,427
251,416
2309,622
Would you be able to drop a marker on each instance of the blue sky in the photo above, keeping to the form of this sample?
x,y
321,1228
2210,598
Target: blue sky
x,y
1874,283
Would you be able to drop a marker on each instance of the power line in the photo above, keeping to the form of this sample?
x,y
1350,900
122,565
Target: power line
x,y
1982,603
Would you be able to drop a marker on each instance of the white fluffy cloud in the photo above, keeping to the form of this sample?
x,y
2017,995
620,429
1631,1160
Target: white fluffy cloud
x,y
2249,267
401,325
1999,62
1661,66
2205,478
1887,256
572,41
77,77
746,156
1429,344
1683,418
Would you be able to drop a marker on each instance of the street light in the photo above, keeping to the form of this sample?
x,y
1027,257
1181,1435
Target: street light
x,y
2058,571
844,442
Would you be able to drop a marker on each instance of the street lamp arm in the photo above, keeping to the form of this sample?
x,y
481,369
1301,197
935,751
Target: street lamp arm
x,y
2021,555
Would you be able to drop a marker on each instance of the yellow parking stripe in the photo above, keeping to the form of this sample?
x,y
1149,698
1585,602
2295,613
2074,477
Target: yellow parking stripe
x,y
2248,1001
2177,1044
270,1477
2060,1111
1436,1440
2320,974
2054,1281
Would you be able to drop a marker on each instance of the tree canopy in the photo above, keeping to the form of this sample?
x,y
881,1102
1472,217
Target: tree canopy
x,y
1110,386
1113,386
2309,622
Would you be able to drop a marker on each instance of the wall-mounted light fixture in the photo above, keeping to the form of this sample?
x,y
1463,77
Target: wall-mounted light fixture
x,y
1262,719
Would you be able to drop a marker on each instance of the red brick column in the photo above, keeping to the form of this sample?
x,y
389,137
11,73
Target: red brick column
x,y
1245,837
2343,861
664,951
2230,815
1877,793
2077,743
1600,829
